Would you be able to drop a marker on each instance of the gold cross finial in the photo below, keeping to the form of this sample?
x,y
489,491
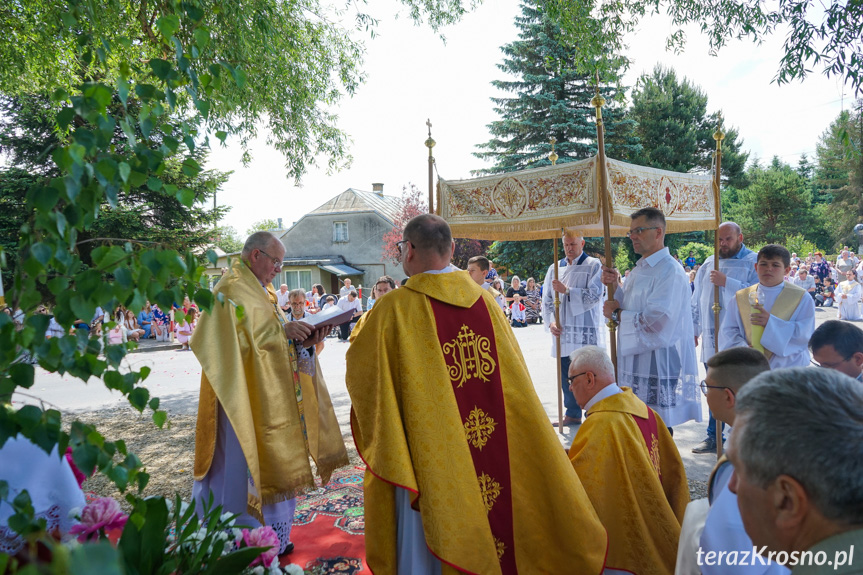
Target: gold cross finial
x,y
430,142
553,155
428,123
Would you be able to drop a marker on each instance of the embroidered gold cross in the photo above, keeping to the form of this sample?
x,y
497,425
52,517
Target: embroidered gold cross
x,y
478,427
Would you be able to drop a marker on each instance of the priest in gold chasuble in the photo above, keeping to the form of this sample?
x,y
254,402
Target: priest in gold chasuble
x,y
259,417
465,473
630,468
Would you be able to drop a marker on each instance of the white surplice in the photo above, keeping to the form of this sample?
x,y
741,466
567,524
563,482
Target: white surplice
x,y
580,309
788,340
656,349
740,273
849,308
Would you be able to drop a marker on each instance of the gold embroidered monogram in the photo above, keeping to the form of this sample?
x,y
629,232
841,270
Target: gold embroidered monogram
x,y
654,454
478,428
490,490
500,548
467,356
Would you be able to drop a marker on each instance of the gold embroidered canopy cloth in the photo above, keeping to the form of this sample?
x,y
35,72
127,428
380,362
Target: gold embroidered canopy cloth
x,y
537,203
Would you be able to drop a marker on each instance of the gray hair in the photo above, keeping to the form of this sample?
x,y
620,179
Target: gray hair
x,y
592,358
806,423
258,241
296,293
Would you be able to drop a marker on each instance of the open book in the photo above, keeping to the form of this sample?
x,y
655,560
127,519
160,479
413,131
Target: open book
x,y
333,316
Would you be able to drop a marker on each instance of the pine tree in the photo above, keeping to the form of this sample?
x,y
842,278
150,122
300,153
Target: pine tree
x,y
675,130
549,100
838,181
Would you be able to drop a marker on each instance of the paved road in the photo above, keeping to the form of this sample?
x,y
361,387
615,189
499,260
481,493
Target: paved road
x,y
175,378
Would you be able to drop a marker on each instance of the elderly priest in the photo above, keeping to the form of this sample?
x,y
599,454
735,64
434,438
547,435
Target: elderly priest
x,y
630,468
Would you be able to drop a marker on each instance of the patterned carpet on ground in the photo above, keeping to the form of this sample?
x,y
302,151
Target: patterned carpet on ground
x,y
329,527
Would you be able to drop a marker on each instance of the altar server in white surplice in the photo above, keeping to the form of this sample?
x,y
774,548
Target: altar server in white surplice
x,y
655,351
736,271
782,320
581,295
848,295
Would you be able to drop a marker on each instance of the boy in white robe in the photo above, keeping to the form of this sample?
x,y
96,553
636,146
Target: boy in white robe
x,y
784,311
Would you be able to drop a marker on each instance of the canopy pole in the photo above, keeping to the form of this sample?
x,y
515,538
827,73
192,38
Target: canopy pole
x,y
718,135
553,158
557,348
430,144
598,102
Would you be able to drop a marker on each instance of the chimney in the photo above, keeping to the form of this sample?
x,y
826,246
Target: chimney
x,y
280,223
378,189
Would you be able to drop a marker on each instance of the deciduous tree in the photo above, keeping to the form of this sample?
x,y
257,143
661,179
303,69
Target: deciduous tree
x,y
413,203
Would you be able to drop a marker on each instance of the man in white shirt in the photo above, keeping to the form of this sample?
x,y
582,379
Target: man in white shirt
x,y
838,345
736,271
346,289
351,302
282,296
805,281
581,294
656,355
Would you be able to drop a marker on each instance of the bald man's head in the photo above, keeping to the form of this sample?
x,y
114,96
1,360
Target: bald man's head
x,y
730,239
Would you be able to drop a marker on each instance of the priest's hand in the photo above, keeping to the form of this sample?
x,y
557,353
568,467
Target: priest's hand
x,y
696,341
610,275
554,329
609,306
761,317
297,331
317,336
717,278
558,286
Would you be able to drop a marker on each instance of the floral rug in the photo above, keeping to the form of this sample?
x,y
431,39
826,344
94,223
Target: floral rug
x,y
329,527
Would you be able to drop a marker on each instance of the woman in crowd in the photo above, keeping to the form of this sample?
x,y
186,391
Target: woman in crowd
x,y
515,288
315,301
118,334
498,285
133,330
145,320
533,302
692,281
848,295
161,324
184,328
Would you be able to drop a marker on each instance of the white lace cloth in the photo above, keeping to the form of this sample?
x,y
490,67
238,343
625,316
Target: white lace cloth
x,y
49,481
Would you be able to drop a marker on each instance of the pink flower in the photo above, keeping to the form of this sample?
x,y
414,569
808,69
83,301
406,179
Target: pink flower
x,y
263,537
101,515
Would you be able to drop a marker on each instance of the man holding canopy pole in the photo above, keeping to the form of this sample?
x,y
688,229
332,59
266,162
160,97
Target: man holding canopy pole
x,y
581,292
656,355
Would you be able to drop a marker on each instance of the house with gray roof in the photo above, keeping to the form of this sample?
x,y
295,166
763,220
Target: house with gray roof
x,y
343,238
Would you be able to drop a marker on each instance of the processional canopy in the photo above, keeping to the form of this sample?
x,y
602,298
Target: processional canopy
x,y
537,203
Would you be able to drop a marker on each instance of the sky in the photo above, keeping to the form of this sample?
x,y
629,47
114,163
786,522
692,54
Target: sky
x,y
412,76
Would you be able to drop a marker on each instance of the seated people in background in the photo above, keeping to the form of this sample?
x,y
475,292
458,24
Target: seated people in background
x,y
838,345
784,311
330,302
848,295
797,451
184,329
118,334
145,320
828,295
297,302
516,287
497,286
805,281
533,302
517,312
133,330
54,329
630,467
727,372
161,324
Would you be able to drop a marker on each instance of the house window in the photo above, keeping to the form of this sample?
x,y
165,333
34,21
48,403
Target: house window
x,y
301,279
340,232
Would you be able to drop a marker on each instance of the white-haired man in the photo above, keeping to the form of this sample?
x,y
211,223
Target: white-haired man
x,y
252,385
736,271
581,295
797,451
630,468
